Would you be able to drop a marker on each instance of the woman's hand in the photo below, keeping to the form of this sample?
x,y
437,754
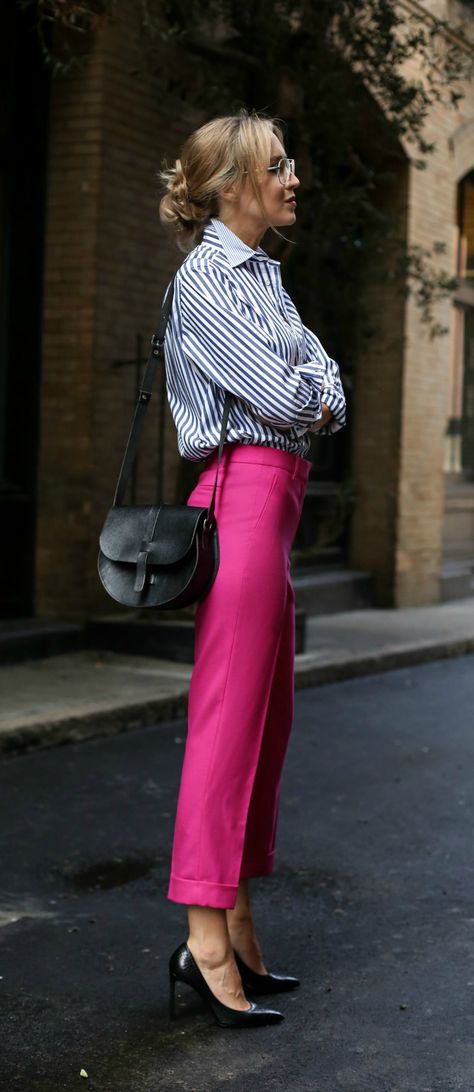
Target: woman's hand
x,y
325,419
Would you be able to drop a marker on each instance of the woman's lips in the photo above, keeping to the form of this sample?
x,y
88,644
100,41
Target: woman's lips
x,y
290,201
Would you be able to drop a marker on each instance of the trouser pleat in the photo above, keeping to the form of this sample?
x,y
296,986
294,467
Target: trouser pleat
x,y
260,836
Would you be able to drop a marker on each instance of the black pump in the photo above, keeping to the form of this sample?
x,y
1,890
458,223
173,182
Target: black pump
x,y
264,983
183,968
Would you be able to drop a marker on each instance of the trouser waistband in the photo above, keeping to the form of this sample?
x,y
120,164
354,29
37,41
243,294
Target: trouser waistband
x,y
258,453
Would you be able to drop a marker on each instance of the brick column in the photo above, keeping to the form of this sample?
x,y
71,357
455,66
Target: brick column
x,y
402,394
426,383
376,414
69,315
108,261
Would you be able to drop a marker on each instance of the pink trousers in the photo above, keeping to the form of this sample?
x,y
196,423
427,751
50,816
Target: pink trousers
x,y
242,688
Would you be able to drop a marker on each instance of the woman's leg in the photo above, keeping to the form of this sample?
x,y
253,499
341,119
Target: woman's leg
x,y
259,846
260,834
237,636
210,944
243,937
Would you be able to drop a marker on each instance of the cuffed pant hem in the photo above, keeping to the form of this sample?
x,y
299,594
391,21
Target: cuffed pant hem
x,y
220,896
261,866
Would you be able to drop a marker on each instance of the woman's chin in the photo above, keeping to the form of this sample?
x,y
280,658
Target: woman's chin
x,y
287,216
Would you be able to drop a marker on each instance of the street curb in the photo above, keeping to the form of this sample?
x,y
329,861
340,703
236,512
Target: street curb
x,y
93,725
377,662
126,717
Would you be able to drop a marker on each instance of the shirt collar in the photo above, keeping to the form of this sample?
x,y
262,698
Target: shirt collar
x,y
237,252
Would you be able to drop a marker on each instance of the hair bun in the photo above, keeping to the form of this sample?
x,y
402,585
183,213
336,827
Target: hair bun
x,y
179,188
177,206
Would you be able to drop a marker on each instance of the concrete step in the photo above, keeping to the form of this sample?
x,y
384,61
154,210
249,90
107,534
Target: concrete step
x,y
319,590
169,638
330,591
457,580
36,638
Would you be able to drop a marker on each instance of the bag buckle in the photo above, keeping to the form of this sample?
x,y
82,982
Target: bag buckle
x,y
157,343
140,571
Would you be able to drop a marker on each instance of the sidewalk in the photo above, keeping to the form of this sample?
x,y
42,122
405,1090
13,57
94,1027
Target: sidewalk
x,y
84,694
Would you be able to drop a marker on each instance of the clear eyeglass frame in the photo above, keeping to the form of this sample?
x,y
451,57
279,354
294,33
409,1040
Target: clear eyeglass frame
x,y
284,168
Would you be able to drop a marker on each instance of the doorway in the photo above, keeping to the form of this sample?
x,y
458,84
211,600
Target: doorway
x,y
24,97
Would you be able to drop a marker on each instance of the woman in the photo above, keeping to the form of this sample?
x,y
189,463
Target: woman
x,y
234,328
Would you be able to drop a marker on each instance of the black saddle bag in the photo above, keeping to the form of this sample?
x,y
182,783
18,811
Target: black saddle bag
x,y
162,555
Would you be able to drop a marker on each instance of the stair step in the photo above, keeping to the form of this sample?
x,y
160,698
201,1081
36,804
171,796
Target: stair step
x,y
165,638
457,580
329,591
319,590
170,638
36,638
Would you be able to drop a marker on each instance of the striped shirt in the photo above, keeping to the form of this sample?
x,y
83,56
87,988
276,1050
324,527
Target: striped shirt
x,y
233,327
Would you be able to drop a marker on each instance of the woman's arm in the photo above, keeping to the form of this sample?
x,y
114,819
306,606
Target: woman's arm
x,y
332,393
325,419
232,347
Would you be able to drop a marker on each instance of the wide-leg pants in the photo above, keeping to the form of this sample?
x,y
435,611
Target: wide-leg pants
x,y
241,694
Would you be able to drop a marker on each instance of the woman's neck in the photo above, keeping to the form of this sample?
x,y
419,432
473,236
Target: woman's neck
x,y
248,232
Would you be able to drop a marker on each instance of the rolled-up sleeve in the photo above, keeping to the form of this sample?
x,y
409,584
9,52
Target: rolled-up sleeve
x,y
226,341
332,392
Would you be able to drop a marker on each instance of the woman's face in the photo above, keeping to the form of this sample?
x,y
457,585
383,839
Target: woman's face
x,y
242,211
278,200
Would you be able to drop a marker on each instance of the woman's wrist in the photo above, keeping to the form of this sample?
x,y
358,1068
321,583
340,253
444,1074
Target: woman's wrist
x,y
327,414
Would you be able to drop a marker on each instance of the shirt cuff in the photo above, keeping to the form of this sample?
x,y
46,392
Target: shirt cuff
x,y
313,369
332,398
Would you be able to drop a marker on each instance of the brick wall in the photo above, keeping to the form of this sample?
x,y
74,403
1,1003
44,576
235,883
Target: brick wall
x,y
108,260
69,313
402,385
426,377
376,412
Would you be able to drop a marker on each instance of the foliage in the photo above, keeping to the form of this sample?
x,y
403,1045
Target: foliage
x,y
71,20
338,71
373,39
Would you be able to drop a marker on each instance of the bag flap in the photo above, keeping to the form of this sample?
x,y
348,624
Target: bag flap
x,y
124,534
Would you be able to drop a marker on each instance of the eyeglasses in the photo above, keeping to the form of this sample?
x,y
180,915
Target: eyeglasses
x,y
284,168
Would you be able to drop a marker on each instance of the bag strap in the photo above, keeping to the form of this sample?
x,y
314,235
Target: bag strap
x,y
144,395
209,520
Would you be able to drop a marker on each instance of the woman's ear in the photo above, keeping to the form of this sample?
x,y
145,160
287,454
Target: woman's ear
x,y
229,193
231,190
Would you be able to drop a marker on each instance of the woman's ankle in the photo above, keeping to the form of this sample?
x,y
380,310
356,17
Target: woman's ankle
x,y
241,929
210,952
208,938
245,943
241,919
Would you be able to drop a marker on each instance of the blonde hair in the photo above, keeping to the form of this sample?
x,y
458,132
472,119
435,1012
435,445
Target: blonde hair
x,y
217,154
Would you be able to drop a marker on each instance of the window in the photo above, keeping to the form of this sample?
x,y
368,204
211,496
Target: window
x,y
466,227
459,459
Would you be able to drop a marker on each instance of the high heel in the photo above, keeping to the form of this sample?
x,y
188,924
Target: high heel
x,y
173,981
183,968
264,983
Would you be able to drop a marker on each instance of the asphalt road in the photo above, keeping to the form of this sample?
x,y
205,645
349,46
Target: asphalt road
x,y
372,905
